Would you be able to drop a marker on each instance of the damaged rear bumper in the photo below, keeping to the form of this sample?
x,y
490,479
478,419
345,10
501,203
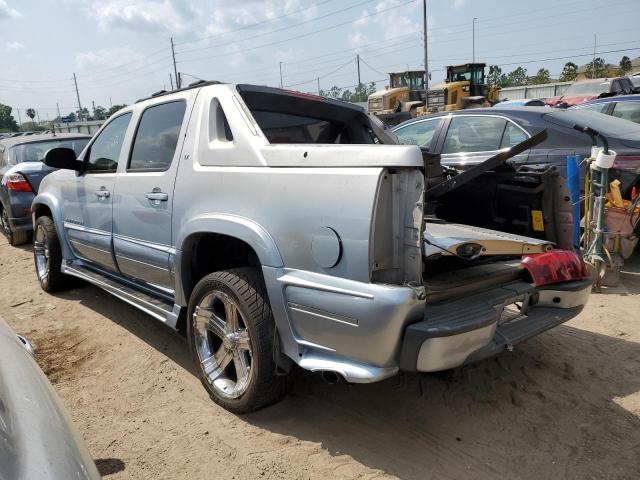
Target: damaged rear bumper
x,y
481,325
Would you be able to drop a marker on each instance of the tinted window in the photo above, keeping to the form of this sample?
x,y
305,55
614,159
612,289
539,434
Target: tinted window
x,y
594,107
512,136
105,150
474,134
627,110
34,152
418,133
605,124
157,136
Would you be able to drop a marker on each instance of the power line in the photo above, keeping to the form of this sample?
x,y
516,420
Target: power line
x,y
307,34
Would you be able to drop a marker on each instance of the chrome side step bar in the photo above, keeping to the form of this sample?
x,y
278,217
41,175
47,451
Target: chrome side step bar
x,y
158,308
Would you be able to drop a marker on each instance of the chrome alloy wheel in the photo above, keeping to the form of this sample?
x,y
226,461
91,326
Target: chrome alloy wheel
x,y
223,344
41,252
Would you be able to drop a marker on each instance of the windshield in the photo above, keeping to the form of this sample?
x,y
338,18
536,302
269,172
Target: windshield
x,y
587,88
34,152
605,124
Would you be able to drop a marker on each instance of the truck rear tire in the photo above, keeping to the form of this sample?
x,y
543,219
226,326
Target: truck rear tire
x,y
47,256
231,334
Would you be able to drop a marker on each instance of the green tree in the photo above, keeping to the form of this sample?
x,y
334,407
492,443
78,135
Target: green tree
x,y
83,114
114,109
495,76
543,76
625,65
31,113
597,68
518,77
7,122
569,72
99,113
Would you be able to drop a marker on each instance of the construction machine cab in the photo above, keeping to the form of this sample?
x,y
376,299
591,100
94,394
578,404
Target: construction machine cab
x,y
469,72
412,79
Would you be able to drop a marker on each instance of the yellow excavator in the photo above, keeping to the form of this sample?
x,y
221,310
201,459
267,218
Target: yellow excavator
x,y
404,98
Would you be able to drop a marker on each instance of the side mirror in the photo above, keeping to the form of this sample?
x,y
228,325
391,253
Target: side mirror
x,y
62,158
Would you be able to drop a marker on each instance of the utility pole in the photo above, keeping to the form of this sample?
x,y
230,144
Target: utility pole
x,y
93,104
358,89
19,120
474,38
38,116
78,97
426,56
58,109
593,64
171,81
110,103
281,84
175,68
318,85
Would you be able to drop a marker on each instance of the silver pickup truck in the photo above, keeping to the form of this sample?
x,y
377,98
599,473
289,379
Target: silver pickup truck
x,y
280,228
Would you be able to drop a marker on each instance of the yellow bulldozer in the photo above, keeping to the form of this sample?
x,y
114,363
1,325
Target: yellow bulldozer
x,y
404,97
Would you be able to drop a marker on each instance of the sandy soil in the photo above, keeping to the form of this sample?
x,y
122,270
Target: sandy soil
x,y
563,405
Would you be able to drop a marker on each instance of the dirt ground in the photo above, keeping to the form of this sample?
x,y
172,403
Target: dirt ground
x,y
563,405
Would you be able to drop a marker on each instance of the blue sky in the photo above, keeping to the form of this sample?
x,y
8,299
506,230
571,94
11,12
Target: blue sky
x,y
120,50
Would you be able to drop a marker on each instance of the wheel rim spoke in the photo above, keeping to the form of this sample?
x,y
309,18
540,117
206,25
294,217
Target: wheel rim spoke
x,y
219,327
242,340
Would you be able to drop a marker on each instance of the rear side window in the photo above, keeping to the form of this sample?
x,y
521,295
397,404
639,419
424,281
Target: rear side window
x,y
105,150
627,110
593,107
512,136
419,133
157,137
474,134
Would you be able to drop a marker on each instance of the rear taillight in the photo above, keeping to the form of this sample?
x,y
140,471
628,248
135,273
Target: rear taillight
x,y
555,266
17,183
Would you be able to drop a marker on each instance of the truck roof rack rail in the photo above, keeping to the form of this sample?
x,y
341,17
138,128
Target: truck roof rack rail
x,y
199,83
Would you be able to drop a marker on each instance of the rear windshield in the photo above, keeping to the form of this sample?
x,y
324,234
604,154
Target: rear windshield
x,y
605,124
292,117
587,88
34,152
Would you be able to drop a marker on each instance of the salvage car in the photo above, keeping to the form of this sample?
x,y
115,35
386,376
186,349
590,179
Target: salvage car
x,y
519,198
281,228
21,171
586,90
38,438
626,107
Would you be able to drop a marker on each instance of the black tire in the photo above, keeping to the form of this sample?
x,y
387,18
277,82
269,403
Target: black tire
x,y
246,288
45,236
14,237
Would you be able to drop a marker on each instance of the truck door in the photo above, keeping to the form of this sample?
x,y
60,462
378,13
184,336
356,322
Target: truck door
x,y
88,197
143,201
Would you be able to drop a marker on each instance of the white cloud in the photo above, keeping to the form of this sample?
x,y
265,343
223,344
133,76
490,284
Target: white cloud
x,y
6,11
389,23
13,45
458,4
357,39
175,16
231,15
120,57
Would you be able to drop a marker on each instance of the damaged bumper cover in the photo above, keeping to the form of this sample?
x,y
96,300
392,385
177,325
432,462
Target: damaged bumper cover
x,y
481,325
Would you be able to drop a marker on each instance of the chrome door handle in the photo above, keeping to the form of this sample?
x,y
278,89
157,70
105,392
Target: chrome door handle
x,y
103,193
158,196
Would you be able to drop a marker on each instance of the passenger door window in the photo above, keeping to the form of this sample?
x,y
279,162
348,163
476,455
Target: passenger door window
x,y
420,133
105,150
627,110
157,136
474,134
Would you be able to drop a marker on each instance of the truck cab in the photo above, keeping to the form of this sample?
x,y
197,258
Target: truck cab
x,y
464,87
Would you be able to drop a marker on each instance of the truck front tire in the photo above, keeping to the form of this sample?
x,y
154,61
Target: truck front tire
x,y
231,334
47,255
